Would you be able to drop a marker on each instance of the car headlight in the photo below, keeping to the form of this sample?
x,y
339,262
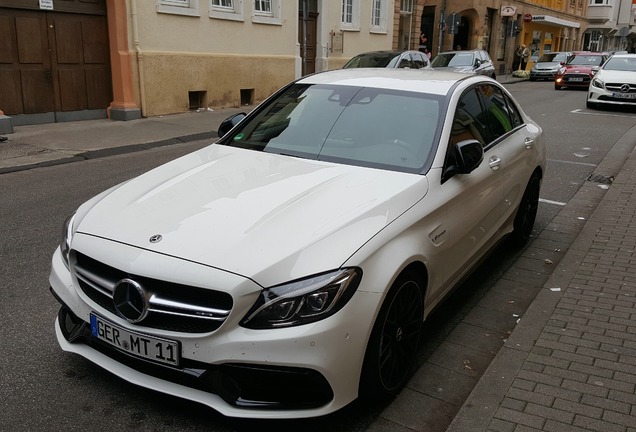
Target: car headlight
x,y
561,71
303,301
598,83
534,68
67,235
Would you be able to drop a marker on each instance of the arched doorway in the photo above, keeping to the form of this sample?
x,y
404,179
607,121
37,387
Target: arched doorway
x,y
462,38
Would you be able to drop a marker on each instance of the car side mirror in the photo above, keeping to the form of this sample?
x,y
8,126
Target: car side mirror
x,y
595,69
468,155
477,63
227,124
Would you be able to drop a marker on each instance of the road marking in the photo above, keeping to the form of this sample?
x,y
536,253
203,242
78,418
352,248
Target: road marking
x,y
579,111
572,162
552,202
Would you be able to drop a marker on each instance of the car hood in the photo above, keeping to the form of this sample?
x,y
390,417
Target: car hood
x,y
578,68
547,65
267,217
617,76
463,69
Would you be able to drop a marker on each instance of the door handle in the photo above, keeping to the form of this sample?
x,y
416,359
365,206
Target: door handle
x,y
528,142
494,162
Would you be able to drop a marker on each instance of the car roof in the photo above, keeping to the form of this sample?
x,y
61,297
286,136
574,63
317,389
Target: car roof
x,y
380,52
589,53
418,80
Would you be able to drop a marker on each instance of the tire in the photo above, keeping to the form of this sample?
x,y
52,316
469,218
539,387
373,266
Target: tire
x,y
556,87
591,105
395,340
533,79
526,213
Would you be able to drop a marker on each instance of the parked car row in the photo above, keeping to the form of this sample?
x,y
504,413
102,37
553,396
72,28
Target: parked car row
x,y
468,61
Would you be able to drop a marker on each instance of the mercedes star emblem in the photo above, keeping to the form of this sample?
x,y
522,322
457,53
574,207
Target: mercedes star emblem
x,y
156,238
130,300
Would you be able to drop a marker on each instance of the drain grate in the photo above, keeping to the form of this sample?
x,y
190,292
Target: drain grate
x,y
599,178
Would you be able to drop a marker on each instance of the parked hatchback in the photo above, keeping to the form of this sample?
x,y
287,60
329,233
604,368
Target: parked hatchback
x,y
287,269
390,59
614,83
467,61
579,70
547,66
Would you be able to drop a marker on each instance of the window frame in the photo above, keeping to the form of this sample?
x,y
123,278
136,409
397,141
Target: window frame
x,y
233,13
179,7
379,14
273,16
354,24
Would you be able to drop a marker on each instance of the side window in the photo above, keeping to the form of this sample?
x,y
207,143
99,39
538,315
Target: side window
x,y
515,116
418,61
405,62
469,121
501,114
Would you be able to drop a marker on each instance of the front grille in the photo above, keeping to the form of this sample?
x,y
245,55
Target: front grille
x,y
616,87
172,306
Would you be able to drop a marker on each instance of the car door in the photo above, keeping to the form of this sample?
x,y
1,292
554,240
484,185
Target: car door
x,y
513,141
473,200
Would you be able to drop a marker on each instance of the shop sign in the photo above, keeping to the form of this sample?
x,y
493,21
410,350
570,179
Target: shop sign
x,y
527,17
508,11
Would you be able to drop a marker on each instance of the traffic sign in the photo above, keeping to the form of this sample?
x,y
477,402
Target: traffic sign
x,y
452,23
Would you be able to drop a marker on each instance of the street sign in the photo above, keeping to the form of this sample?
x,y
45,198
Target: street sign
x,y
452,23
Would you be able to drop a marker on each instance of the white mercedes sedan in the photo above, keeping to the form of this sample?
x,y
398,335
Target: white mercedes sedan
x,y
286,269
614,83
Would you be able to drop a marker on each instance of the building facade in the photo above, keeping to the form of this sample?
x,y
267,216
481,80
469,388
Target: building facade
x,y
64,60
612,25
498,26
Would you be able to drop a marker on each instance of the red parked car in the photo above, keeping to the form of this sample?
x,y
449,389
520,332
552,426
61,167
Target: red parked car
x,y
579,70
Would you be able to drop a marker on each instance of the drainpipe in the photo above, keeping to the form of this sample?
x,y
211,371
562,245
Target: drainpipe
x,y
442,21
140,57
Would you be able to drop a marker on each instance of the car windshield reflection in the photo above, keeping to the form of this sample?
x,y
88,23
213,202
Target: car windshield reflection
x,y
453,59
322,122
621,64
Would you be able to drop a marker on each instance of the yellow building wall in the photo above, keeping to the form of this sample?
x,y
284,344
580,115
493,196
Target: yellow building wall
x,y
169,78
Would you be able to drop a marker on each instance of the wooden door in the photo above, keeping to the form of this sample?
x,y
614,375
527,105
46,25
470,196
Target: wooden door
x,y
53,62
26,84
307,35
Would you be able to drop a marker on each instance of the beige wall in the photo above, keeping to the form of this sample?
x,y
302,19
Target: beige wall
x,y
177,54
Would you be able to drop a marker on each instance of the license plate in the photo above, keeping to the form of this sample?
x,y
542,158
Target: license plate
x,y
138,344
576,80
624,95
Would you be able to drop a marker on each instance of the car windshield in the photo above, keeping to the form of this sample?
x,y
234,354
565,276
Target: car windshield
x,y
621,64
360,126
373,60
453,59
586,60
553,57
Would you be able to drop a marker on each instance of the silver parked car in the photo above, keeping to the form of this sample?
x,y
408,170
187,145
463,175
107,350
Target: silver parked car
x,y
548,64
467,61
390,59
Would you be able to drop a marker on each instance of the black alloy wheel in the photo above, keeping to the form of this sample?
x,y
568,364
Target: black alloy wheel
x,y
527,212
394,341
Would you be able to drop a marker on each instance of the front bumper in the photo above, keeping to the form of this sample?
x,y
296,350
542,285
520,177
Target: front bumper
x,y
542,74
598,95
296,372
573,80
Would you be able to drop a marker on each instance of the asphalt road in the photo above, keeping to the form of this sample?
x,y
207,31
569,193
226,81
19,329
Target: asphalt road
x,y
45,389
